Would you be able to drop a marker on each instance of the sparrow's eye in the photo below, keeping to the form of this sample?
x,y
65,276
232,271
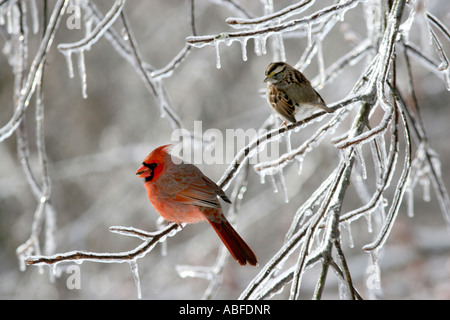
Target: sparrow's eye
x,y
278,69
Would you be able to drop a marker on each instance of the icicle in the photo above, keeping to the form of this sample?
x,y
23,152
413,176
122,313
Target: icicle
x,y
257,46
300,164
321,64
369,221
283,185
379,169
447,80
35,17
13,18
309,33
274,183
68,55
425,182
373,281
287,136
22,264
382,147
350,236
262,177
135,272
53,271
410,202
244,48
216,49
262,42
2,16
359,154
82,72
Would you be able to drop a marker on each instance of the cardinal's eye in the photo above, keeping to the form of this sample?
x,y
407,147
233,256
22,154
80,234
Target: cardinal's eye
x,y
151,166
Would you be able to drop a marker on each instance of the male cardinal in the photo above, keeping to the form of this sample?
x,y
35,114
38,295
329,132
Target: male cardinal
x,y
181,193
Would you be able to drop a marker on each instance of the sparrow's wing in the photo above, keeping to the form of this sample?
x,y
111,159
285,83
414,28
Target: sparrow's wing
x,y
305,92
281,103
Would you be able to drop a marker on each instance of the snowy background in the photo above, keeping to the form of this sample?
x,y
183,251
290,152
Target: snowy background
x,y
94,145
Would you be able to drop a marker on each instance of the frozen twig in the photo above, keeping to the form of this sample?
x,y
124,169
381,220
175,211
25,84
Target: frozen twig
x,y
151,240
288,26
284,13
87,42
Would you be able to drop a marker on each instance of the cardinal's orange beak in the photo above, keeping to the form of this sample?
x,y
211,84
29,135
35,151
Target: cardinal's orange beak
x,y
143,172
146,170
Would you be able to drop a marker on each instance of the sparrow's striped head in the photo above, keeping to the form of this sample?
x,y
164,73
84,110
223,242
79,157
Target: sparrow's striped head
x,y
274,72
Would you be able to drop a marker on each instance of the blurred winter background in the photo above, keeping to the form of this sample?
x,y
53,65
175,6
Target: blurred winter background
x,y
95,145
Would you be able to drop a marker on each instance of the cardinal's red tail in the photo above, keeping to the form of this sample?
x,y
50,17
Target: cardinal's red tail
x,y
240,251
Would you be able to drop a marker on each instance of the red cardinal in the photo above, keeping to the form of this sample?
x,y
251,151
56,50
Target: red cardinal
x,y
181,193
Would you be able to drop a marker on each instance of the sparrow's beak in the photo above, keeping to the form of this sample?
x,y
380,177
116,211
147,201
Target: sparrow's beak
x,y
266,79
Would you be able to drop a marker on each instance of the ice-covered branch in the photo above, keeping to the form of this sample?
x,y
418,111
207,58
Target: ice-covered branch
x,y
250,149
35,69
303,237
151,239
282,14
87,42
292,25
40,185
400,188
308,145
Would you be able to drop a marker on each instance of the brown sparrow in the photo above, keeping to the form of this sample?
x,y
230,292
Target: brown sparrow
x,y
289,93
